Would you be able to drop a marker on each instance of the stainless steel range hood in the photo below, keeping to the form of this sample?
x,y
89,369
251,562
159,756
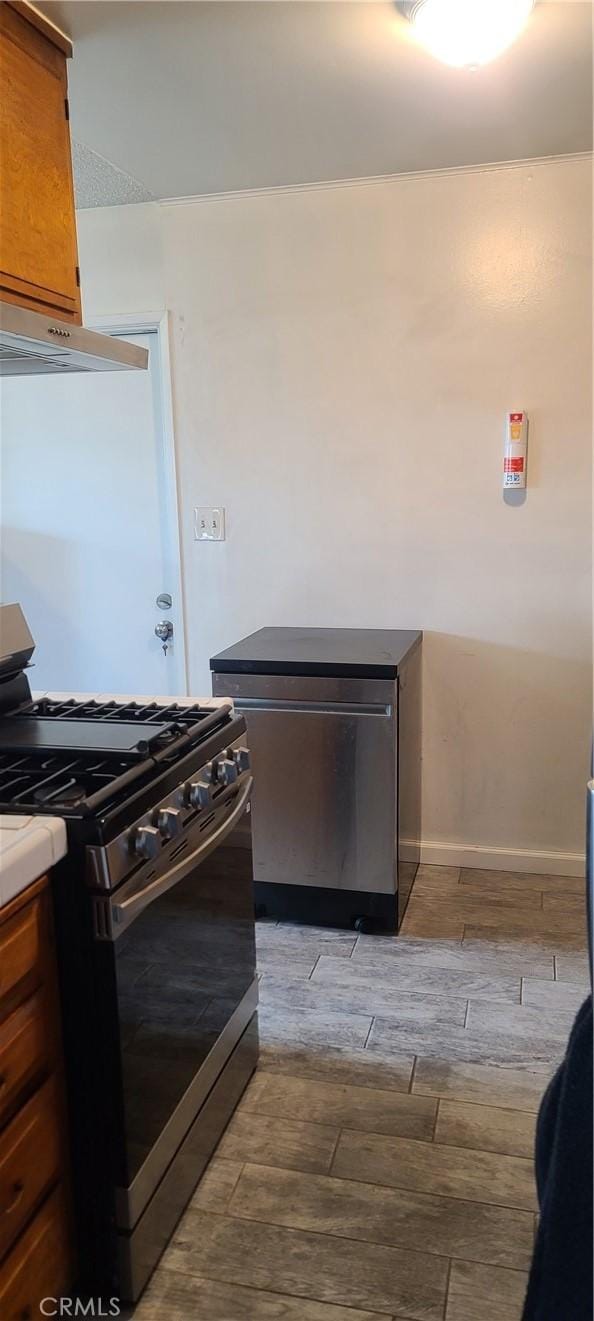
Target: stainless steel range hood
x,y
35,345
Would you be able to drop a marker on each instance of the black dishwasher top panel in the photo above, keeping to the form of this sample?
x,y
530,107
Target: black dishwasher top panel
x,y
353,653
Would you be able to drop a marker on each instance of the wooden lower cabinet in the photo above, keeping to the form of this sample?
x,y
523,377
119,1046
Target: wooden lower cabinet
x,y
31,1158
23,949
27,1050
40,1266
36,1252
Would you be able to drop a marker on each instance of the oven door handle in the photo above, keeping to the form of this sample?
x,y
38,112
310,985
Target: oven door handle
x,y
126,910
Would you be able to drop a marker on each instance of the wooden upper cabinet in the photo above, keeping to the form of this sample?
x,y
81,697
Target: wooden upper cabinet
x,y
38,251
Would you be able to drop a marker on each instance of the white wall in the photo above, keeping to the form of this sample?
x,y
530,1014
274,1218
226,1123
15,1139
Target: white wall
x,y
121,260
343,360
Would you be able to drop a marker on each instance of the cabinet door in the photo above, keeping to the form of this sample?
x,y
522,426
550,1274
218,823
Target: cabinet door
x,y
38,260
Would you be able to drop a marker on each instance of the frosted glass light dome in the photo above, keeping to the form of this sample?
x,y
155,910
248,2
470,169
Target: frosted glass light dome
x,y
467,33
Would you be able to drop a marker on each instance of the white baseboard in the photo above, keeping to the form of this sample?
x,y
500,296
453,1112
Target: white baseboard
x,y
442,854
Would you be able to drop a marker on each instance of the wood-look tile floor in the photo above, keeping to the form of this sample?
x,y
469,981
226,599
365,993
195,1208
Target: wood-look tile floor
x,y
380,1162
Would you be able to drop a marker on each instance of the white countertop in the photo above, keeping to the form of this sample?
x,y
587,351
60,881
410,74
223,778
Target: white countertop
x,y
29,845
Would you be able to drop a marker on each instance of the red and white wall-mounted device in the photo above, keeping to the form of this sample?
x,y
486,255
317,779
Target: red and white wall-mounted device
x,y
516,451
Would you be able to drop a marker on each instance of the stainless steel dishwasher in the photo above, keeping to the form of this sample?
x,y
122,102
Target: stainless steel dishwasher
x,y
334,728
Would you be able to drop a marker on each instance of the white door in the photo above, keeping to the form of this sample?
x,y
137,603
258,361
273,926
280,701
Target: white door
x,y
89,528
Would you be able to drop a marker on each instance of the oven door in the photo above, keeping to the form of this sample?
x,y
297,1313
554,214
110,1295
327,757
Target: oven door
x,y
181,959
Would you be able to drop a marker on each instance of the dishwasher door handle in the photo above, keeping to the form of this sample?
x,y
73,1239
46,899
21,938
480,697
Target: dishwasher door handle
x,y
381,709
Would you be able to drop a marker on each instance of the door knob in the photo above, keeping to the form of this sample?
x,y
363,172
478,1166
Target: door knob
x,y
164,631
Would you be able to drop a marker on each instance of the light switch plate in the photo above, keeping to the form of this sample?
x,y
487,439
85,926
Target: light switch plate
x,y
209,524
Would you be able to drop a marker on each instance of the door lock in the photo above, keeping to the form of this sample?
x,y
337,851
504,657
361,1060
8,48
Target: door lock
x,y
164,631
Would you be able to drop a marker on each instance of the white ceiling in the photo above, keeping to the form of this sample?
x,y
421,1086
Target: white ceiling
x,y
99,183
188,97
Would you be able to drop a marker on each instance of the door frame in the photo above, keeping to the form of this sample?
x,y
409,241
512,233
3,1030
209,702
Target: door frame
x,y
141,323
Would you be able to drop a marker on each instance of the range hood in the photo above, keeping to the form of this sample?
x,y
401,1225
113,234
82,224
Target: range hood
x,y
35,345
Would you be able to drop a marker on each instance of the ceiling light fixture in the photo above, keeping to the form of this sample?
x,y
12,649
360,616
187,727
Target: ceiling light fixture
x,y
467,33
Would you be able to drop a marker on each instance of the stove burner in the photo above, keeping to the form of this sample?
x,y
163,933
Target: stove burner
x,y
55,780
67,792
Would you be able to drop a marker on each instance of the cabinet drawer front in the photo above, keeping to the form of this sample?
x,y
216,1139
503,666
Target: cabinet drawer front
x,y
26,1049
30,1150
22,942
39,1265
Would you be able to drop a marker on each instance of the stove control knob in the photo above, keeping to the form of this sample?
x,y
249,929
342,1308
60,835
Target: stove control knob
x,y
169,822
199,793
226,771
146,842
241,758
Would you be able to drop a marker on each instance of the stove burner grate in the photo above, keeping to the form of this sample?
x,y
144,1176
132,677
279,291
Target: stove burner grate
x,y
141,713
81,780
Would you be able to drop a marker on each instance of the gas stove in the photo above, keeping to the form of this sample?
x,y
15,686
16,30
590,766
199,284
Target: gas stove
x,y
134,776
140,773
154,919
